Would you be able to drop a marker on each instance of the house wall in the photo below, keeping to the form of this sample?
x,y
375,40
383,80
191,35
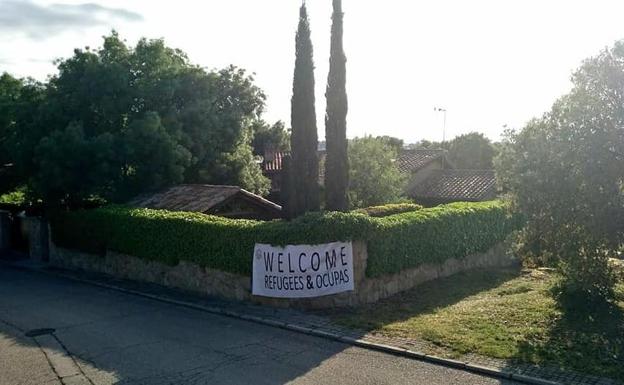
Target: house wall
x,y
422,174
5,230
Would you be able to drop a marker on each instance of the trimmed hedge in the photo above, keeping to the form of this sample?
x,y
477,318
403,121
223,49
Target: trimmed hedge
x,y
395,242
389,209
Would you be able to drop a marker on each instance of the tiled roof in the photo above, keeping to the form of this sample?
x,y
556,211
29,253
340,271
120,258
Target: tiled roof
x,y
273,161
273,164
457,185
196,198
414,160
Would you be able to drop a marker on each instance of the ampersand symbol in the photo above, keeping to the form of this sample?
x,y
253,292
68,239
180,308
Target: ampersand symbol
x,y
310,284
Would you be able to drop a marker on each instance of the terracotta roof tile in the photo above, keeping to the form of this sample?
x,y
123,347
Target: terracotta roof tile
x,y
195,197
273,164
457,185
414,160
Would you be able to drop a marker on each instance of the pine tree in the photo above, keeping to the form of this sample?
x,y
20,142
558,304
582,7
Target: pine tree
x,y
304,139
337,161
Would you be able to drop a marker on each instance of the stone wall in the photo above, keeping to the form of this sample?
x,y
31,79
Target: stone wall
x,y
38,237
204,281
5,231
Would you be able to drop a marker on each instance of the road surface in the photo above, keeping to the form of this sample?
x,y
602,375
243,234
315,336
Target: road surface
x,y
103,336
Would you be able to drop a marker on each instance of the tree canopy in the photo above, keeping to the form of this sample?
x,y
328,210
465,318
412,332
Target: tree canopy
x,y
565,172
471,151
268,138
120,120
374,176
20,100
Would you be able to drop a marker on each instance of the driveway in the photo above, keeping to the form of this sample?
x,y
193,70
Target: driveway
x,y
103,336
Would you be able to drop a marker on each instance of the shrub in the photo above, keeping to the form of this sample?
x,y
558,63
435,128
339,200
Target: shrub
x,y
564,172
395,242
14,201
389,209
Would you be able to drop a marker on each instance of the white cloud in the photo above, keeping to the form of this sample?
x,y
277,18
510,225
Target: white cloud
x,y
38,21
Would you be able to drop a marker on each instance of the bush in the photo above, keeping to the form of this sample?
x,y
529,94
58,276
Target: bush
x,y
564,172
14,201
389,209
395,243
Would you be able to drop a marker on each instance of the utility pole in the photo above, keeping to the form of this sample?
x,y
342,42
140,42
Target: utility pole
x,y
443,110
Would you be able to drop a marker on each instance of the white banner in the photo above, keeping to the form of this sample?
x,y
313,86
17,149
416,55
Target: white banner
x,y
302,271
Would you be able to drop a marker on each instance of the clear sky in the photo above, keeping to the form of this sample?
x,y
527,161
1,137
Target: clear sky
x,y
490,63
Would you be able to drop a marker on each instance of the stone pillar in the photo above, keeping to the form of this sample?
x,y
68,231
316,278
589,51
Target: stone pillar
x,y
5,231
38,246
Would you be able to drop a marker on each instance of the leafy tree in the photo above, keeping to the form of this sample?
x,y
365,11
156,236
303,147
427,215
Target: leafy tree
x,y
565,172
155,118
73,167
10,93
304,167
395,143
270,137
151,156
20,100
337,160
374,178
237,163
471,151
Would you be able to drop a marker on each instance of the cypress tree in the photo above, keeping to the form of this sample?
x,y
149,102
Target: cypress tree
x,y
337,161
304,167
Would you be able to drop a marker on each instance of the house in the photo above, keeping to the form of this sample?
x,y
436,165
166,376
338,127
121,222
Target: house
x,y
272,167
224,201
433,180
420,164
449,185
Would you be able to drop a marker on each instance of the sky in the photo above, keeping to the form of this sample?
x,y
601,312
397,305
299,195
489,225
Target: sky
x,y
491,64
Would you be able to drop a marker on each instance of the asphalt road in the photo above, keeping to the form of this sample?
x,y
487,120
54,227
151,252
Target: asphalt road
x,y
106,337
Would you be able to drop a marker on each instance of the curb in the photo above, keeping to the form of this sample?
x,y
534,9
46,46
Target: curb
x,y
388,349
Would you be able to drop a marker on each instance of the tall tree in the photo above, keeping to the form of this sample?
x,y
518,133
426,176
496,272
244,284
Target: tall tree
x,y
565,173
472,150
120,120
375,178
337,161
304,138
268,138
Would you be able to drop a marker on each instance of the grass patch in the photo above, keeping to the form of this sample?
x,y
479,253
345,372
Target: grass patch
x,y
503,313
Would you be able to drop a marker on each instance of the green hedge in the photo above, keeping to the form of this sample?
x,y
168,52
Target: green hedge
x,y
395,242
389,209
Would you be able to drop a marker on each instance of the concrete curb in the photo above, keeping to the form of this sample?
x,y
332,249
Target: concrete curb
x,y
397,351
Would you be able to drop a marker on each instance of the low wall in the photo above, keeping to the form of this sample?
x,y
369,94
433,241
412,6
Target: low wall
x,y
38,232
5,231
204,281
